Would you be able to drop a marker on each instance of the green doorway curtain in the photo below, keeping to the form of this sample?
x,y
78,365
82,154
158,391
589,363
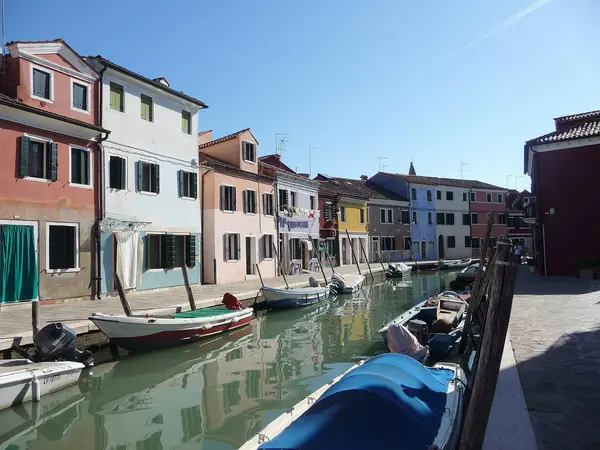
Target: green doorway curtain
x,y
18,265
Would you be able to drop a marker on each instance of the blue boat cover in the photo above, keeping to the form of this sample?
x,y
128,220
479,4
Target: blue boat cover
x,y
390,402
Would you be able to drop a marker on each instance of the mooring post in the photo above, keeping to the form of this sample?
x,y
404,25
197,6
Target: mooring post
x,y
353,254
121,292
366,257
188,289
35,317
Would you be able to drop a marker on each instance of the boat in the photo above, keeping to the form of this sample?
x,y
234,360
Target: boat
x,y
346,284
430,329
453,264
398,270
147,332
293,298
22,380
468,274
403,405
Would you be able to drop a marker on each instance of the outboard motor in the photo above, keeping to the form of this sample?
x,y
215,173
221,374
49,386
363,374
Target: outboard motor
x,y
57,342
313,282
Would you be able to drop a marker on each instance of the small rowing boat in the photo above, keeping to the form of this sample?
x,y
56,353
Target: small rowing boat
x,y
388,401
293,298
453,264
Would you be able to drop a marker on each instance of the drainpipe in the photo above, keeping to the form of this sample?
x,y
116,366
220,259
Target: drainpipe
x,y
202,261
470,222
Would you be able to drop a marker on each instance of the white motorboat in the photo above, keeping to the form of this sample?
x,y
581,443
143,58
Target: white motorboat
x,y
293,298
453,264
396,270
392,391
346,284
22,380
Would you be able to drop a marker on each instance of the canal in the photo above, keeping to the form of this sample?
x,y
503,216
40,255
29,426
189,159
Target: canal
x,y
215,394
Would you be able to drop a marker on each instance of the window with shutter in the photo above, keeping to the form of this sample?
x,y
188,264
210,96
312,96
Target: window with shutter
x,y
24,144
41,84
53,160
80,166
449,195
413,194
429,218
405,217
429,196
449,218
464,196
117,167
80,96
147,111
488,197
468,241
414,217
472,196
170,250
148,177
474,218
439,195
440,218
188,184
63,246
117,97
466,219
186,123
382,215
228,198
451,241
190,255
268,204
362,215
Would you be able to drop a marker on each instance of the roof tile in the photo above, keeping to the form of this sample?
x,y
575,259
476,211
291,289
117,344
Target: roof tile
x,y
436,181
585,130
224,138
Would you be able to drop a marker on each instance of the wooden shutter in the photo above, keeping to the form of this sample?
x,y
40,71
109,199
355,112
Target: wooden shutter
x,y
85,161
24,156
123,176
190,259
156,178
238,246
194,185
264,202
53,160
233,194
169,251
225,246
222,198
140,175
254,210
244,150
180,182
245,200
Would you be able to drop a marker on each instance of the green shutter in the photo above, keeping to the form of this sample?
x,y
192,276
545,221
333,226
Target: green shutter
x,y
194,185
140,175
180,182
123,173
24,156
169,251
157,178
190,259
53,160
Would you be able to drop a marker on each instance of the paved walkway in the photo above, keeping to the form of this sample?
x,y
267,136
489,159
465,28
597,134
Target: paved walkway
x,y
555,335
16,319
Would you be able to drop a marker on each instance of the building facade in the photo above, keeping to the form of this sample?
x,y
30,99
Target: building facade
x,y
453,229
519,231
150,207
563,169
49,130
238,210
483,201
329,249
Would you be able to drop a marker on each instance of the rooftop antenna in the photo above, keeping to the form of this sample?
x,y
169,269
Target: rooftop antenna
x,y
517,181
280,140
507,177
310,149
462,164
381,158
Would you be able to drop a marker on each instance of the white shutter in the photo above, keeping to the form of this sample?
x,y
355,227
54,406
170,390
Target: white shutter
x,y
226,247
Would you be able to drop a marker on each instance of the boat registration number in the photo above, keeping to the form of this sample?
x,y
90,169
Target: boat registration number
x,y
51,379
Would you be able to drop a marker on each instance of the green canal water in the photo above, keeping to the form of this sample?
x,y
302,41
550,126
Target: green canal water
x,y
217,393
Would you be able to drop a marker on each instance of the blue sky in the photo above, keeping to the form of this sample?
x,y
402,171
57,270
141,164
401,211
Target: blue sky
x,y
439,82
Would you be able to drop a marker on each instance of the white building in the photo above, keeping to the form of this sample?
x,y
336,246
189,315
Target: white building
x,y
452,221
150,206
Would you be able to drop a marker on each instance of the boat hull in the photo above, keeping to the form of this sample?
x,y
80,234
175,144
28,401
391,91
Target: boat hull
x,y
348,284
148,333
293,298
17,383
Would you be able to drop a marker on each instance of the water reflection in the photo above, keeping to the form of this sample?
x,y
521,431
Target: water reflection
x,y
218,393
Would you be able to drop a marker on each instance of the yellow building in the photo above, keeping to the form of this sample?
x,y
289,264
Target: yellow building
x,y
352,221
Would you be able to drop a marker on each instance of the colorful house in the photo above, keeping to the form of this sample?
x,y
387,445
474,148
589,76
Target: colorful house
x,y
519,231
485,199
149,207
297,215
49,130
238,210
328,225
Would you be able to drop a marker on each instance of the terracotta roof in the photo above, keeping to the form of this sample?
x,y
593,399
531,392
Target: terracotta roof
x,y
224,138
436,181
348,187
208,160
580,116
202,133
156,84
16,103
274,160
578,131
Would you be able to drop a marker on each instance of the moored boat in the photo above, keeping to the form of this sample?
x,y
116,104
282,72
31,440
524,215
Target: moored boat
x,y
22,380
293,298
148,332
346,284
468,274
398,270
392,391
453,264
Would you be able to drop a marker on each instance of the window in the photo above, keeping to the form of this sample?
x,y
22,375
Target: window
x,y
407,242
474,242
488,197
362,215
328,211
405,216
248,151
283,199
155,251
342,213
312,202
268,246
413,193
449,195
249,198
62,246
429,195
294,199
467,241
472,195
464,196
80,166
167,251
474,219
268,204
117,168
429,218
439,195
449,218
147,108
117,99
451,242
466,219
414,217
188,184
80,96
186,122
499,198
148,177
387,215
440,219
232,246
41,84
227,198
388,243
502,219
38,159
492,242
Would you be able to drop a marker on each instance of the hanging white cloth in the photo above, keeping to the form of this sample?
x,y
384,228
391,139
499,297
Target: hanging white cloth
x,y
129,255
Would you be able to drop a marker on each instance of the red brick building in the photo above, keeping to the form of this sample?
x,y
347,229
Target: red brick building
x,y
563,166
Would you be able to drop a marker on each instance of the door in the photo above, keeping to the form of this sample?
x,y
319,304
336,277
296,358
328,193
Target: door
x,y
18,263
441,247
375,249
250,250
423,245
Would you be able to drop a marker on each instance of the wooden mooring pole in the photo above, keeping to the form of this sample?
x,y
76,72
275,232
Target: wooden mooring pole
x,y
287,286
188,289
35,317
379,257
121,292
259,275
412,255
366,257
480,397
353,254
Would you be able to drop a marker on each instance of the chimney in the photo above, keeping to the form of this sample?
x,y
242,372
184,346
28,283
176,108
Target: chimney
x,y
162,80
364,177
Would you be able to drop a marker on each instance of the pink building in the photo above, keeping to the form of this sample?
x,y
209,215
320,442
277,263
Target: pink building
x,y
481,203
238,215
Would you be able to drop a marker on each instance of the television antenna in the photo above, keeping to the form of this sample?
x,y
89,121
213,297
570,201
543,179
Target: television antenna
x,y
310,149
462,164
280,141
382,166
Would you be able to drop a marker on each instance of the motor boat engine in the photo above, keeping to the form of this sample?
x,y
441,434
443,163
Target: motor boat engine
x,y
56,342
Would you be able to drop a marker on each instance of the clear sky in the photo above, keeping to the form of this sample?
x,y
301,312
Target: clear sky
x,y
440,82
